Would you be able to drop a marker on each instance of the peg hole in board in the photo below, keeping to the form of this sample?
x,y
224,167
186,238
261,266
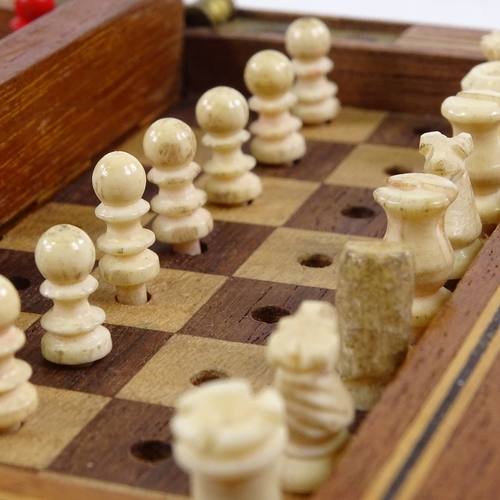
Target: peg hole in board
x,y
269,314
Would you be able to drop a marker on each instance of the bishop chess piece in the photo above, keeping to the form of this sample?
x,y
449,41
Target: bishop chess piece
x,y
18,397
477,112
119,181
308,41
305,349
374,300
447,157
182,221
415,205
230,441
222,113
269,77
65,256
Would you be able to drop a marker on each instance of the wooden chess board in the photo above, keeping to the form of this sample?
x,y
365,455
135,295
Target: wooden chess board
x,y
102,431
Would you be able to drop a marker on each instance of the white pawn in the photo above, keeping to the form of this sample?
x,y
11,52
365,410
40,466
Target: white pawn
x,y
230,441
119,181
308,41
65,256
222,113
447,157
305,349
18,397
477,112
170,145
415,205
269,77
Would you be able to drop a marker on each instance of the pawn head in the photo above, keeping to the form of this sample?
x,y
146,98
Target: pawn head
x,y
169,143
65,254
268,73
308,37
119,179
222,110
10,304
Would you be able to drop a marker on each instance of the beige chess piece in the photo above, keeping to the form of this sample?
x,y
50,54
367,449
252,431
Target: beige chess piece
x,y
65,256
447,157
269,77
170,145
119,181
230,441
222,113
486,75
18,397
415,205
477,112
374,299
305,349
308,41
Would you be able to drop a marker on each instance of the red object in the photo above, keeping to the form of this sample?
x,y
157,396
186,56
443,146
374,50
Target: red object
x,y
29,10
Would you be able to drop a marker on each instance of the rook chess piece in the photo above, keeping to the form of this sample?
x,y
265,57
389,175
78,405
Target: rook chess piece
x,y
18,397
478,113
305,349
222,113
447,157
119,181
65,256
170,145
415,205
373,300
230,441
308,42
269,77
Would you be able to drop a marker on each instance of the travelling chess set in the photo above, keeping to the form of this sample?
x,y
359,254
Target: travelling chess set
x,y
103,429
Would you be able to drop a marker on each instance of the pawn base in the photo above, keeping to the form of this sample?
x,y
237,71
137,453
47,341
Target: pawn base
x,y
302,475
232,190
464,258
76,349
16,406
317,113
365,394
183,229
278,152
424,309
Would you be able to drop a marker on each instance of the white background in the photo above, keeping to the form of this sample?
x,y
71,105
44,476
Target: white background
x,y
480,14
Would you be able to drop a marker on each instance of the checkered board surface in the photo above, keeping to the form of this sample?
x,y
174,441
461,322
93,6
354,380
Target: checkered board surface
x,y
209,315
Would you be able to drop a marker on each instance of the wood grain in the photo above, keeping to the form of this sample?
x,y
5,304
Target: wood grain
x,y
377,66
76,80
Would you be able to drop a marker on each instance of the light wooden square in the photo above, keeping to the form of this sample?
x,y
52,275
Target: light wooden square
x,y
353,125
279,200
369,165
60,416
279,257
175,297
184,358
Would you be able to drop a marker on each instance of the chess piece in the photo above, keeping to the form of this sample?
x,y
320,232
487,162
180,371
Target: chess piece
x,y
230,441
308,42
18,397
447,157
170,145
486,75
269,77
65,256
415,205
305,349
478,113
119,181
373,300
490,45
222,113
